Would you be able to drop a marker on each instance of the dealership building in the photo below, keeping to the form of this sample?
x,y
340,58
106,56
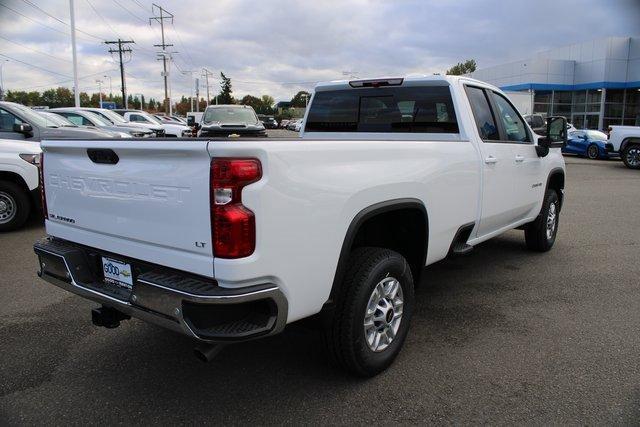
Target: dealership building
x,y
594,84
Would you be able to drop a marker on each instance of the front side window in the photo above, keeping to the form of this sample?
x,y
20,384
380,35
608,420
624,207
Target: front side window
x,y
7,120
74,118
511,121
138,118
427,109
482,114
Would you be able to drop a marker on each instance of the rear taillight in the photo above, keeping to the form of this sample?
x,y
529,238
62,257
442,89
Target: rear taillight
x,y
43,199
233,226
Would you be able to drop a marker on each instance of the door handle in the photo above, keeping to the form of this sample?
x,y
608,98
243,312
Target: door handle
x,y
519,158
490,160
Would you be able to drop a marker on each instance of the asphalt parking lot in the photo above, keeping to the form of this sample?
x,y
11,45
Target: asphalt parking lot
x,y
500,336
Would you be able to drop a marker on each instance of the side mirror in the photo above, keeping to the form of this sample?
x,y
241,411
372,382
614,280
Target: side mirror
x,y
24,128
556,136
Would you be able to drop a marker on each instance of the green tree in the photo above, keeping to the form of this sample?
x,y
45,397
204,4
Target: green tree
x,y
226,93
468,66
251,101
267,103
85,99
300,99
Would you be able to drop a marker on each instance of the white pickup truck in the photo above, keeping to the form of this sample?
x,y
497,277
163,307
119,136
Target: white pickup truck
x,y
625,141
19,181
231,239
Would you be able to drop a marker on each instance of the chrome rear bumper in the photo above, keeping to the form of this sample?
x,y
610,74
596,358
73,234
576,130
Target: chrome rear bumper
x,y
184,303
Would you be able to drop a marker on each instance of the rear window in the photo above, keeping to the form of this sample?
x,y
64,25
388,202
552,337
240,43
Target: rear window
x,y
391,109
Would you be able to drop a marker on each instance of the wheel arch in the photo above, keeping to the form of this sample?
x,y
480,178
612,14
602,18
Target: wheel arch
x,y
390,209
626,141
556,181
15,178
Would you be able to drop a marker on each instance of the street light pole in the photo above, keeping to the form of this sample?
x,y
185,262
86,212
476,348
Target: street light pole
x,y
110,87
2,61
190,73
76,89
99,91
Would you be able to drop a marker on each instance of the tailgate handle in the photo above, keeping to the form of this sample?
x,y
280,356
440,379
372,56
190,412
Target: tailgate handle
x,y
103,155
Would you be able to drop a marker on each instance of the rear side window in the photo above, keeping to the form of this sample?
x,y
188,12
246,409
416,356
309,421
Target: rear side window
x,y
390,109
482,114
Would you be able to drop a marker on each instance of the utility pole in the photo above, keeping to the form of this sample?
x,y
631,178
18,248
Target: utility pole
x,y
76,90
120,50
163,15
206,73
99,91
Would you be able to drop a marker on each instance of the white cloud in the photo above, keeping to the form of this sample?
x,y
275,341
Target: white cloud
x,y
268,46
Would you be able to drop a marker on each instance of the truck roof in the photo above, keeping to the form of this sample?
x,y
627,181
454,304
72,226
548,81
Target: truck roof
x,y
409,80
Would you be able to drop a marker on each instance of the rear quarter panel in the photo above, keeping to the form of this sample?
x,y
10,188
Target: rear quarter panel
x,y
313,189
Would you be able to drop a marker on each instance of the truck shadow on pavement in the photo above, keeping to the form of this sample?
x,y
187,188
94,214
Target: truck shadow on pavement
x,y
266,380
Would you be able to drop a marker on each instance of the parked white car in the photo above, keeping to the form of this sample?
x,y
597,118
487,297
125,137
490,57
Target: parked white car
x,y
19,182
143,118
625,141
226,241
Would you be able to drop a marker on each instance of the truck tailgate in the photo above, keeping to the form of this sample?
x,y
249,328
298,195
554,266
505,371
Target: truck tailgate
x,y
149,202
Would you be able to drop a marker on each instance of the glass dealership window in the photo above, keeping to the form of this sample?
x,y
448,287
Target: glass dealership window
x,y
542,96
632,107
562,97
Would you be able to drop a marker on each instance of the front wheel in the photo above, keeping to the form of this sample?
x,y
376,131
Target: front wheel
x,y
631,157
14,206
540,235
592,152
372,313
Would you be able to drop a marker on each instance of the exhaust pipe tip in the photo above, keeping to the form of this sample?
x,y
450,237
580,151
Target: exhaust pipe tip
x,y
207,352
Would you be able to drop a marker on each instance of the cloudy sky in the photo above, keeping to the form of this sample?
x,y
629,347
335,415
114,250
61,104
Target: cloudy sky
x,y
278,47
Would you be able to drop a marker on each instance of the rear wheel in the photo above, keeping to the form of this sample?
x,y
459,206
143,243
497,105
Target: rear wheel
x,y
592,152
540,235
631,156
14,206
372,313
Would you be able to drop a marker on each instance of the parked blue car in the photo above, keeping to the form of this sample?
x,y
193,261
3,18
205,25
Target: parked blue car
x,y
588,143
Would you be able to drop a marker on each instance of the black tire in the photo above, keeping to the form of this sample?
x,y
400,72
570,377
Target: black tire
x,y
631,156
593,152
345,334
14,206
535,234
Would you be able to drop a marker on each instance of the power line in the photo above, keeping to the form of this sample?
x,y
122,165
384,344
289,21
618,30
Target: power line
x,y
141,6
103,20
186,51
129,12
34,20
68,80
149,53
35,50
60,20
33,66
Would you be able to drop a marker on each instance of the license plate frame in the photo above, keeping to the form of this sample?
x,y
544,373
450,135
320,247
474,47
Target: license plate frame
x,y
118,273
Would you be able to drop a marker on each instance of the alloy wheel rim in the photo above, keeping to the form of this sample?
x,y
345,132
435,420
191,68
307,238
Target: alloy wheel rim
x,y
633,156
7,208
593,152
383,314
551,220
